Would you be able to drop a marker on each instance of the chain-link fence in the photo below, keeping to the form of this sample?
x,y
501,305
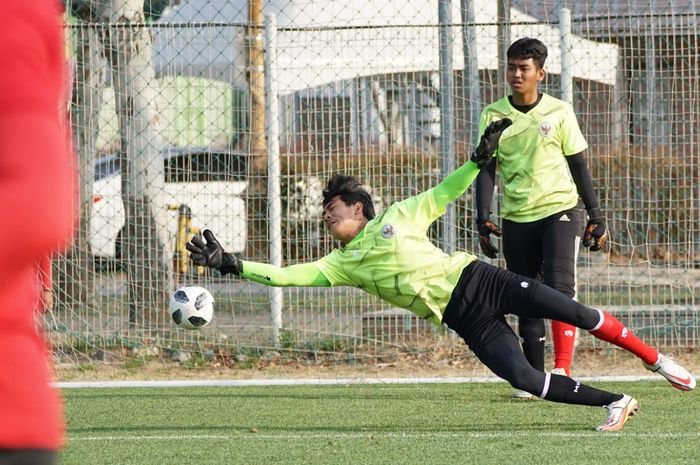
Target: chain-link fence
x,y
172,113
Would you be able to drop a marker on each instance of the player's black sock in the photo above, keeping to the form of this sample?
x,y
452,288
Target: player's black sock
x,y
569,391
532,339
28,457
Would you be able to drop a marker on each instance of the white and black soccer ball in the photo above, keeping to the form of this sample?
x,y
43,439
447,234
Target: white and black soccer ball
x,y
191,307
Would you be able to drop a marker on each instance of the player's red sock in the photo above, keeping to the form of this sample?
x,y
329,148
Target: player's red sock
x,y
610,329
564,337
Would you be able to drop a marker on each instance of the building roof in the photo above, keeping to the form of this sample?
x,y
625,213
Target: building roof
x,y
595,18
338,40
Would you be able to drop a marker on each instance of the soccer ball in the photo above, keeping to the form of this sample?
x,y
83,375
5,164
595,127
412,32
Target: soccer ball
x,y
191,307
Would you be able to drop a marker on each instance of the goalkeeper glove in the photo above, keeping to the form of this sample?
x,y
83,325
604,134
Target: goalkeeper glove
x,y
489,142
486,228
212,255
596,235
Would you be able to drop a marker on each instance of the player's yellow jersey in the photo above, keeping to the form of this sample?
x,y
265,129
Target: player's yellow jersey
x,y
393,259
534,174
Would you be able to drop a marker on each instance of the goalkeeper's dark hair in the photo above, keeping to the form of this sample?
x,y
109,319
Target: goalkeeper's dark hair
x,y
525,48
350,191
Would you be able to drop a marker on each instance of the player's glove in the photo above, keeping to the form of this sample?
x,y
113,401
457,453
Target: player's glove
x,y
596,234
212,255
486,228
489,142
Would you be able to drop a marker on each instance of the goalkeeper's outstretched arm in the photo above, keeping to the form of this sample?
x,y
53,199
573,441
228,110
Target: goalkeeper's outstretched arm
x,y
303,274
212,255
457,182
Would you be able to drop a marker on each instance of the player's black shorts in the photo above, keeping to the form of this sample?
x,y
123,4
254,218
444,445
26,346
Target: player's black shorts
x,y
548,247
482,298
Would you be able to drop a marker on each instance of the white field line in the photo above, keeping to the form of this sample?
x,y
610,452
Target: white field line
x,y
312,382
366,435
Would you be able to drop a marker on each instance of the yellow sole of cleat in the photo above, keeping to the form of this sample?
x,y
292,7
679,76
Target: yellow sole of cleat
x,y
630,411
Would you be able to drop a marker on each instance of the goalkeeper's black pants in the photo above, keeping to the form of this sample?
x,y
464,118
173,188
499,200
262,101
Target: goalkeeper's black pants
x,y
477,309
544,249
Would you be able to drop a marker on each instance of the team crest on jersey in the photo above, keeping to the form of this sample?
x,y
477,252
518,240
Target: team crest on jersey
x,y
545,129
388,231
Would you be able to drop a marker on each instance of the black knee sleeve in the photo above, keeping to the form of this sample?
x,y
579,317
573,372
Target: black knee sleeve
x,y
532,339
528,379
552,305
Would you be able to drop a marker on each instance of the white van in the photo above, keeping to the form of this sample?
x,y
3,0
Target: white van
x,y
210,182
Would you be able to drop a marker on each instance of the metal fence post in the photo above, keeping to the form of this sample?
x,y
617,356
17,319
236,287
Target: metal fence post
x,y
567,59
447,143
273,171
472,89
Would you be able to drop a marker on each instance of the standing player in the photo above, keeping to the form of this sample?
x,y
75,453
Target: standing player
x,y
390,256
45,283
36,199
543,172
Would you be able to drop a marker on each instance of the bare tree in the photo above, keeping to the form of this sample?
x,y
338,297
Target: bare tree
x,y
73,277
127,47
256,200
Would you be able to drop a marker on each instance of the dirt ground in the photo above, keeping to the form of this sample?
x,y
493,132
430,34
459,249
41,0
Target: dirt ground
x,y
587,363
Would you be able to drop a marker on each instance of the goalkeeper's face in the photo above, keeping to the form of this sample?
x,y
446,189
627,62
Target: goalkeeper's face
x,y
343,221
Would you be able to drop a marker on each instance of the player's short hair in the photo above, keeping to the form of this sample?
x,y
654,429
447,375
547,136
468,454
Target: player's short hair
x,y
527,47
350,191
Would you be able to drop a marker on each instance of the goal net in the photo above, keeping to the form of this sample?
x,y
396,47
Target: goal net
x,y
173,129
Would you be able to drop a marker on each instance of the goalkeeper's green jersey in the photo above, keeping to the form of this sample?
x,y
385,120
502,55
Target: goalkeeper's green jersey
x,y
392,257
534,174
394,260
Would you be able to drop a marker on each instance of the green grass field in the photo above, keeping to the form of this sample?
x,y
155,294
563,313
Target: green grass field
x,y
475,423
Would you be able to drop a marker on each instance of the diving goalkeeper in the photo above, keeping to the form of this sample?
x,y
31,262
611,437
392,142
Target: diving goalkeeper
x,y
390,256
